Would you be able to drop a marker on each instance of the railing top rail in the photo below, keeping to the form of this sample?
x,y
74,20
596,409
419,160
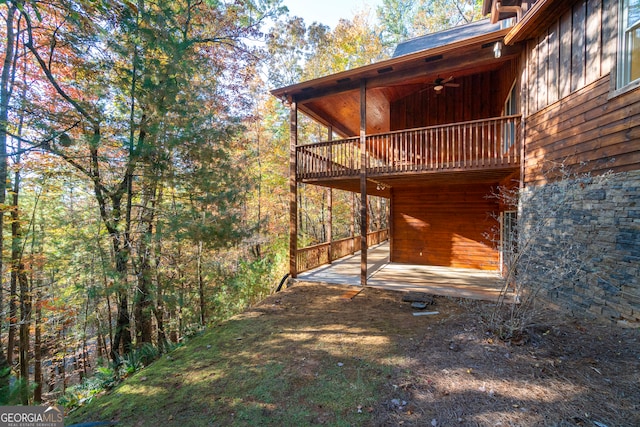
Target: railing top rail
x,y
320,245
316,246
446,125
334,141
345,239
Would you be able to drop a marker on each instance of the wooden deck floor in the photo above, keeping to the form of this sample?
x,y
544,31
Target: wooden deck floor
x,y
455,282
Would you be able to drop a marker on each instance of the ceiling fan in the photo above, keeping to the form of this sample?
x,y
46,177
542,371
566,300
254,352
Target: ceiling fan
x,y
440,83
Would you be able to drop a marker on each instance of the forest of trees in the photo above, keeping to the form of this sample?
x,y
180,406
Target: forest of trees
x,y
145,167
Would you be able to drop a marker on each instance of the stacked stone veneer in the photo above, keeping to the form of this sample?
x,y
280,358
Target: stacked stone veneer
x,y
579,241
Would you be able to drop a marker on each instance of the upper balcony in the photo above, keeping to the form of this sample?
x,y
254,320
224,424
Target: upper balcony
x,y
438,111
478,145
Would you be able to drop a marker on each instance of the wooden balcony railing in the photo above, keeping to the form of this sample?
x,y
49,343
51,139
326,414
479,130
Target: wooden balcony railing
x,y
317,255
472,145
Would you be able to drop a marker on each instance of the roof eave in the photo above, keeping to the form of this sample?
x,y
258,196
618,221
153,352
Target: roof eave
x,y
289,93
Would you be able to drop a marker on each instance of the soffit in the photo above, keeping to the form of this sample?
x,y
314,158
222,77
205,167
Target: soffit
x,y
334,100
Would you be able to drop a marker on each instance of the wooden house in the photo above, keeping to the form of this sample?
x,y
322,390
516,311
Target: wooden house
x,y
454,115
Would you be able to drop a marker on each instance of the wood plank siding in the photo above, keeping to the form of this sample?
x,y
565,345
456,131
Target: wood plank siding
x,y
573,116
567,56
479,96
584,131
444,225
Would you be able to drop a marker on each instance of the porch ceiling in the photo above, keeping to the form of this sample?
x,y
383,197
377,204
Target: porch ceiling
x,y
335,100
382,185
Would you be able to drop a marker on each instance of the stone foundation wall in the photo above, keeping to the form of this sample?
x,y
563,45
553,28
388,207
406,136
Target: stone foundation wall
x,y
579,241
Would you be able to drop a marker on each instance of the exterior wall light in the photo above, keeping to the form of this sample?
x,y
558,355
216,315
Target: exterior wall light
x,y
497,49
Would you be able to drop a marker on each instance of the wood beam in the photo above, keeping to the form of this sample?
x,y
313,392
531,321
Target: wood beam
x,y
293,190
330,202
390,222
363,183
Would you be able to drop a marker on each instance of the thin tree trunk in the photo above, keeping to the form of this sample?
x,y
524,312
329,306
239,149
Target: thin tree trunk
x,y
19,276
5,95
37,349
122,337
63,368
159,310
13,317
84,339
25,323
203,317
18,272
110,321
142,302
105,281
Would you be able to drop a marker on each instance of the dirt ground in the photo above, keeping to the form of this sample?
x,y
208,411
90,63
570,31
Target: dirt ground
x,y
449,369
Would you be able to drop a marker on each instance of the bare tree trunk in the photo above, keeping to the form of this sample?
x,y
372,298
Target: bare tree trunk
x,y
122,337
110,321
13,318
201,285
159,313
159,309
19,276
101,346
84,339
5,95
63,367
143,303
25,323
37,349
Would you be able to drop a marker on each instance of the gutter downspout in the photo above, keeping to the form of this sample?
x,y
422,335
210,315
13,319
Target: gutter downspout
x,y
498,7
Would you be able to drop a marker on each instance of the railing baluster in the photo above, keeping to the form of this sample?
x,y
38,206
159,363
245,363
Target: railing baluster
x,y
389,142
474,145
458,148
450,136
465,137
438,149
445,157
502,126
403,162
421,139
432,148
413,148
464,147
443,149
496,142
480,153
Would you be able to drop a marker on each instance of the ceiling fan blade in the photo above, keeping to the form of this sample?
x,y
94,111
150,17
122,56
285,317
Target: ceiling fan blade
x,y
447,80
452,84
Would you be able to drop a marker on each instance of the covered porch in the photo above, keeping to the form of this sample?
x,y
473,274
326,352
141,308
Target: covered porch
x,y
433,131
381,273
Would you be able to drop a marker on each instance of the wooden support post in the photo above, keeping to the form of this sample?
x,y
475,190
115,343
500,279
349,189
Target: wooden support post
x,y
330,203
352,224
293,190
363,183
390,225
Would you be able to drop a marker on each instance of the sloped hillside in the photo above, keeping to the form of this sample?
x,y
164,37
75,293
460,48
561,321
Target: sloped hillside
x,y
313,355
